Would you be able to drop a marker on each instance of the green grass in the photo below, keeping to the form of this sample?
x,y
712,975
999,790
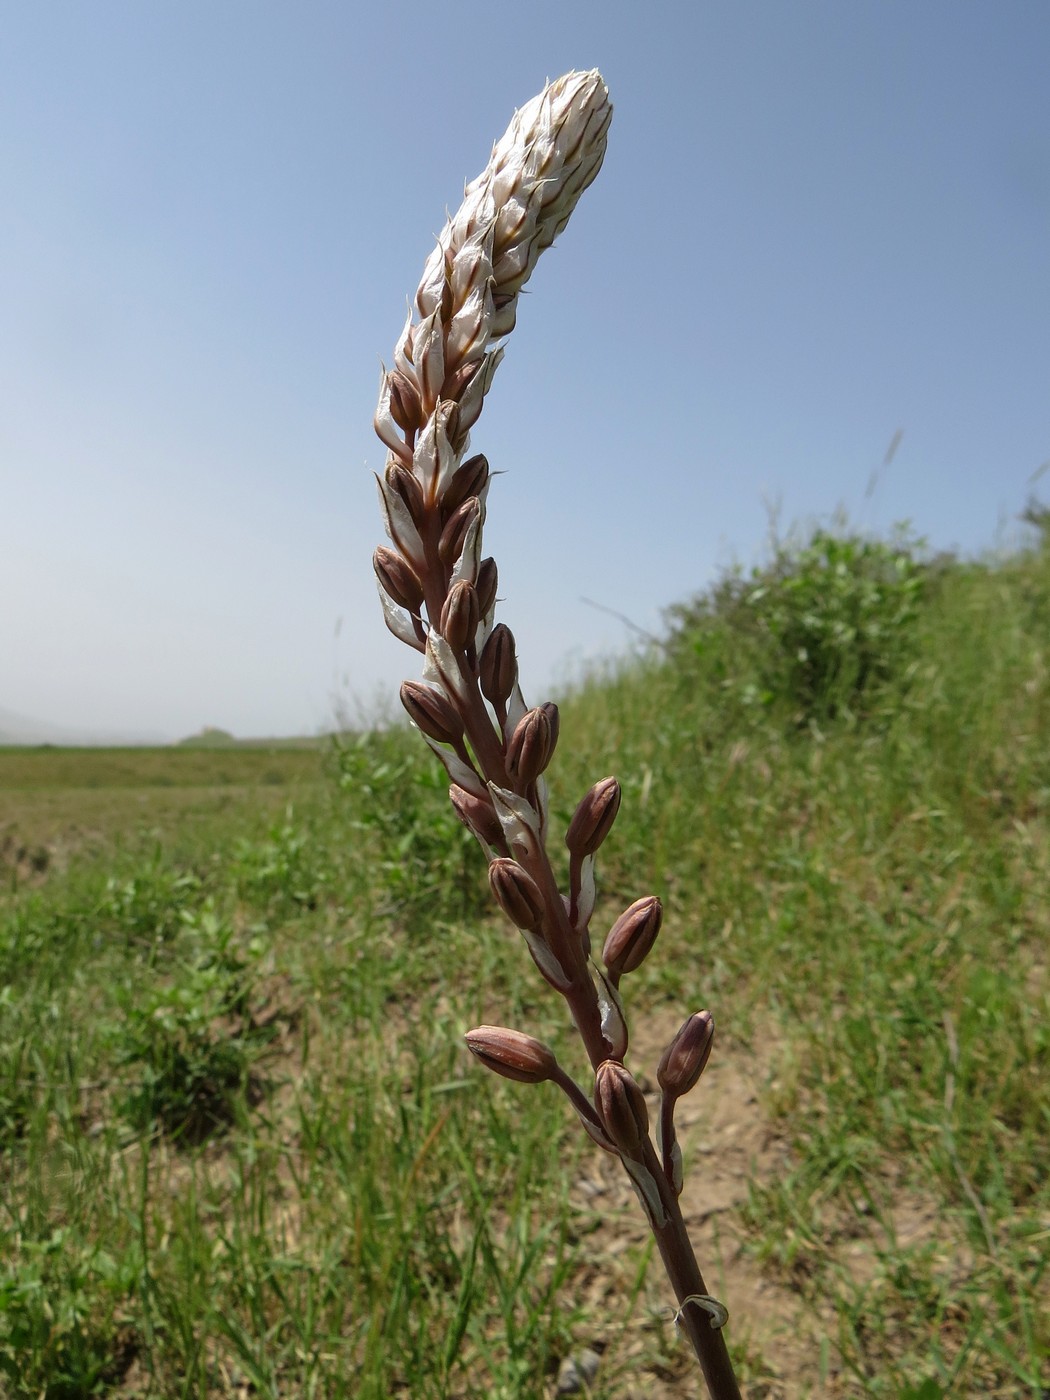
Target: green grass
x,y
242,1150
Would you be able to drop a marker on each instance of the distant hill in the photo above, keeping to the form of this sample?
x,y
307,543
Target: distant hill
x,y
208,738
211,737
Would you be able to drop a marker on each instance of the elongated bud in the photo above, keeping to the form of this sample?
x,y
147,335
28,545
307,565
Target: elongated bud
x,y
488,578
401,480
428,355
512,1054
405,407
632,936
593,818
432,712
517,893
467,480
455,434
553,714
397,578
530,746
477,815
684,1059
621,1106
460,615
498,670
450,545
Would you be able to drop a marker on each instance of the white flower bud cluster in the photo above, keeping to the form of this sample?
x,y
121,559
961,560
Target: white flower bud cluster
x,y
438,592
467,299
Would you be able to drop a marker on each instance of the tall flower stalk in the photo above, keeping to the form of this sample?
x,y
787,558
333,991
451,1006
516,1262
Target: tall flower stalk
x,y
438,592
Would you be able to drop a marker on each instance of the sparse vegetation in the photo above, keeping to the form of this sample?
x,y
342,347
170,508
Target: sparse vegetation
x,y
242,1150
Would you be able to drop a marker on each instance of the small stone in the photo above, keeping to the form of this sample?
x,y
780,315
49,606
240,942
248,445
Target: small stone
x,y
577,1371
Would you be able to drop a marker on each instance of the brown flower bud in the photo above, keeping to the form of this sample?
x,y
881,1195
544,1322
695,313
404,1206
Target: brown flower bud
x,y
460,615
684,1059
517,893
405,407
621,1106
593,818
456,436
467,480
530,746
498,670
455,383
550,709
512,1054
397,578
632,935
401,480
488,578
432,712
450,545
477,814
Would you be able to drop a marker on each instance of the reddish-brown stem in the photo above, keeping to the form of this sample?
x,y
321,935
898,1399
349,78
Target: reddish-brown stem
x,y
683,1272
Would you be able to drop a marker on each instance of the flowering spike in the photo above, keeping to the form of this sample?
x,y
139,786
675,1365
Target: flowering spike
x,y
434,510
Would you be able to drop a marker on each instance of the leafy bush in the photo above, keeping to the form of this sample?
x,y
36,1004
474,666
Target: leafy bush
x,y
60,1334
194,1041
151,906
821,629
286,870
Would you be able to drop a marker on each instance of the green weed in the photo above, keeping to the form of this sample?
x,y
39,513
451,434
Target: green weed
x,y
825,625
191,1038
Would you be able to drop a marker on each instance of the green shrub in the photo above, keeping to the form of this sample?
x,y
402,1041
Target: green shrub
x,y
61,1336
820,630
150,907
287,870
193,1040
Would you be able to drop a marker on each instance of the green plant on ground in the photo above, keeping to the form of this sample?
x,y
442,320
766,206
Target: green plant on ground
x,y
62,1326
828,623
287,868
192,1041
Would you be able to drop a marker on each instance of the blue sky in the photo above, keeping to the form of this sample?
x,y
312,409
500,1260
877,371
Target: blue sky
x,y
817,224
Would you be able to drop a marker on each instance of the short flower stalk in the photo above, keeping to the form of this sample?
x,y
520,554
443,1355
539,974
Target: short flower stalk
x,y
438,592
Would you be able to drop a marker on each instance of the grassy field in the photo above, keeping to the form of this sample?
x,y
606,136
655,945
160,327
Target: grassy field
x,y
242,1151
